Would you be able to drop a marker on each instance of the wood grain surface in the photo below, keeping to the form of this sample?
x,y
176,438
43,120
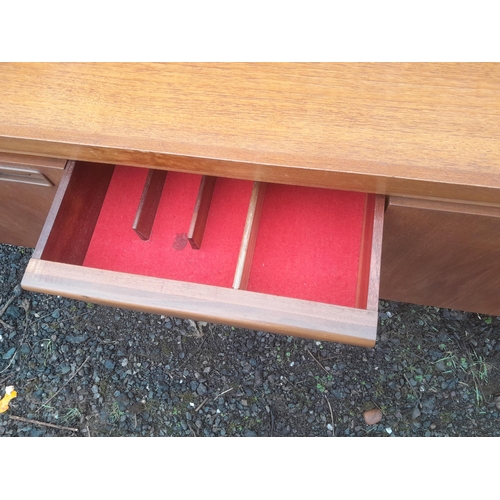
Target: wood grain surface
x,y
148,204
249,239
442,254
430,130
201,211
204,302
70,224
367,289
26,198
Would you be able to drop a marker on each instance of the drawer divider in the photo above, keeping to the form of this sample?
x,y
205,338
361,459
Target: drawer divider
x,y
249,239
201,210
148,204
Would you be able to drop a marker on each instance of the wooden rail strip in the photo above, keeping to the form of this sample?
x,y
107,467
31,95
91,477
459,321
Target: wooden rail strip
x,y
377,231
369,261
201,210
249,239
148,204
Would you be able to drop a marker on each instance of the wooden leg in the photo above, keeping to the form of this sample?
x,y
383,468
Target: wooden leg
x,y
148,205
249,236
200,214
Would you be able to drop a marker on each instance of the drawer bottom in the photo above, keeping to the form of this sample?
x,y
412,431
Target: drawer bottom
x,y
307,247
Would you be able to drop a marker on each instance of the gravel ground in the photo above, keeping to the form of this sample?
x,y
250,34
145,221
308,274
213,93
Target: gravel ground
x,y
90,370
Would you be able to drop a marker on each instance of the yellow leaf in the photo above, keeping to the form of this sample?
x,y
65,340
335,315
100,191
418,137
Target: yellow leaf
x,y
10,393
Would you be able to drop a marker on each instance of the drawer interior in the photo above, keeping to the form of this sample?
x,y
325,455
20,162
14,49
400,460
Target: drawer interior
x,y
308,244
311,243
167,253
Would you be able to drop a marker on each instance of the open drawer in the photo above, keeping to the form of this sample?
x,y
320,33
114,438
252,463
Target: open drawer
x,y
285,259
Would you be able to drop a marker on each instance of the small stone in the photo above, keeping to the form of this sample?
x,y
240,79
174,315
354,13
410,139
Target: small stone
x,y
247,368
372,417
441,366
13,312
415,413
9,353
258,378
384,337
75,339
108,364
338,393
429,404
65,368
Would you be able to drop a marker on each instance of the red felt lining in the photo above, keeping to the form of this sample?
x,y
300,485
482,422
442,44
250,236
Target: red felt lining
x,y
308,244
167,254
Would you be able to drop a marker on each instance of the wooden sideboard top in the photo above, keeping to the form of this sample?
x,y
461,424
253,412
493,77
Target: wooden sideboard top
x,y
430,130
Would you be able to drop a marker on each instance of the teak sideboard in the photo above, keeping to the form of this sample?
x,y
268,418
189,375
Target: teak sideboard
x,y
281,197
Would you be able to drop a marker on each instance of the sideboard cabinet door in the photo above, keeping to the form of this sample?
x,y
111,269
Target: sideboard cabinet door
x,y
28,185
442,254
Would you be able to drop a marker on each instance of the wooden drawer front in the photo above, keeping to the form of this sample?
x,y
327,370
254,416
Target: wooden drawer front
x,y
286,259
28,185
442,254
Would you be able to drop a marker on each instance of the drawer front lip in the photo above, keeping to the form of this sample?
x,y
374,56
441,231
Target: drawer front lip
x,y
32,162
252,310
240,308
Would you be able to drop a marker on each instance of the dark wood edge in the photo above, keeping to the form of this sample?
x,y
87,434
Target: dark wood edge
x,y
445,206
347,175
69,227
245,257
365,250
370,253
240,308
201,210
29,161
376,254
148,204
54,210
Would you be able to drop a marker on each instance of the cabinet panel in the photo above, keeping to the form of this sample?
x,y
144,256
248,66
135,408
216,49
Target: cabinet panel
x,y
27,188
442,254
